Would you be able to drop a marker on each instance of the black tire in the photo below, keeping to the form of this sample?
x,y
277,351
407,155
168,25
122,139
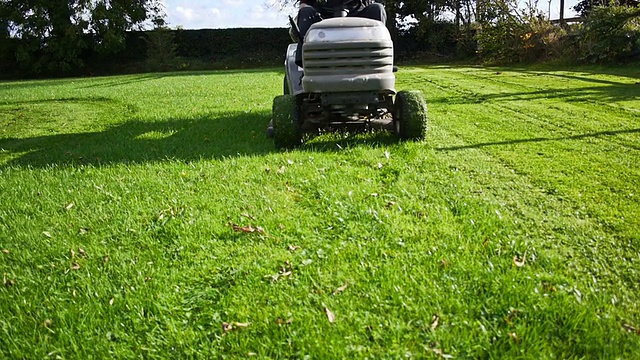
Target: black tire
x,y
285,86
286,126
410,115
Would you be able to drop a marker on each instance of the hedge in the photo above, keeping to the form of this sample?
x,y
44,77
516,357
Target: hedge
x,y
210,49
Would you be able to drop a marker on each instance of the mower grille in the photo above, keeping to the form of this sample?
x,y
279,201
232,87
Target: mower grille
x,y
348,59
348,66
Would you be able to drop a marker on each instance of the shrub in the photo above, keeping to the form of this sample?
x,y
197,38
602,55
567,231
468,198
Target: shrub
x,y
512,39
508,34
610,34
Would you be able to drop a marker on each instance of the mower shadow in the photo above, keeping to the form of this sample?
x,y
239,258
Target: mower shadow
x,y
136,141
340,141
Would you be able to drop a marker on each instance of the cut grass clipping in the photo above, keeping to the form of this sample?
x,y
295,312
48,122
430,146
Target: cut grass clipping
x,y
150,216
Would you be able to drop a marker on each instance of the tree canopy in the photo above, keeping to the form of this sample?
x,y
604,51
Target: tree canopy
x,y
584,7
54,34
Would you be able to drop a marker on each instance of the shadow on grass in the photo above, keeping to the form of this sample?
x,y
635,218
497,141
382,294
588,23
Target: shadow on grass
x,y
540,139
608,92
631,70
120,80
106,81
338,141
112,81
136,141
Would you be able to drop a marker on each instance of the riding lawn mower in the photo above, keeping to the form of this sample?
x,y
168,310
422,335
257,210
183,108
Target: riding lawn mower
x,y
347,81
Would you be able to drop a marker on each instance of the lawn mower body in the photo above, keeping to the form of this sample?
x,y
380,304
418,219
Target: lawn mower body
x,y
347,80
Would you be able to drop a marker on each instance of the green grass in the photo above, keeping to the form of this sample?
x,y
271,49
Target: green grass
x,y
512,231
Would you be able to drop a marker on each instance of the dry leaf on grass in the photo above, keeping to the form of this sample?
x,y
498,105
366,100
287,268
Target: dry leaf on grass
x,y
293,248
69,207
518,261
630,328
514,337
330,315
281,322
435,321
247,216
227,327
75,266
341,289
547,287
5,251
285,271
46,233
105,259
82,252
440,354
248,229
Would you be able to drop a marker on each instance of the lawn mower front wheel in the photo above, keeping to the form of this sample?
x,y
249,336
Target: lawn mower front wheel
x,y
286,122
410,116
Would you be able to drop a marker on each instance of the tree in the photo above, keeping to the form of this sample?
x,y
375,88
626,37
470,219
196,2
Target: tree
x,y
55,35
584,7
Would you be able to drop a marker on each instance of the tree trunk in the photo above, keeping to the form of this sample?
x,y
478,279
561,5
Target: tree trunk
x,y
457,15
5,29
479,11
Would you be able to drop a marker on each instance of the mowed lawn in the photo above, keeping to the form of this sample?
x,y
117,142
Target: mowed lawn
x,y
149,216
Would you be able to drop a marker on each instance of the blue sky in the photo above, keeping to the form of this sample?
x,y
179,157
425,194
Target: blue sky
x,y
212,14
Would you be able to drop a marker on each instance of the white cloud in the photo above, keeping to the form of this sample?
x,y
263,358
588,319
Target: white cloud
x,y
192,14
185,14
233,3
261,13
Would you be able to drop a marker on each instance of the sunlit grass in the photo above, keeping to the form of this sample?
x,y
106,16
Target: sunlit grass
x,y
150,216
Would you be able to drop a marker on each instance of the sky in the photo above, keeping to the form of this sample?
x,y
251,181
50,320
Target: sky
x,y
215,14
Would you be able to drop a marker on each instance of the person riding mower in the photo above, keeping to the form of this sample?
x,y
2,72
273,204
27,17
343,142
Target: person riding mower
x,y
314,11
